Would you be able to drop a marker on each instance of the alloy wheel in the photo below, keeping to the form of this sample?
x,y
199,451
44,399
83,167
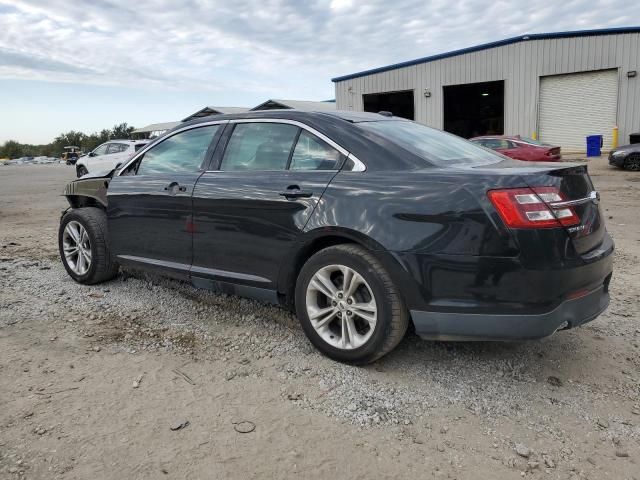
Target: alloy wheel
x,y
341,307
76,247
633,162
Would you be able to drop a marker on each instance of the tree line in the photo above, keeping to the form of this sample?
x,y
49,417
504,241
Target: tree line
x,y
13,149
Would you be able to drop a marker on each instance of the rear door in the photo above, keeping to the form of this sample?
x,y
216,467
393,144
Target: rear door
x,y
149,203
251,207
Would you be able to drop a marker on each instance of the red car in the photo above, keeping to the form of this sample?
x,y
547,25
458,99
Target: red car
x,y
520,148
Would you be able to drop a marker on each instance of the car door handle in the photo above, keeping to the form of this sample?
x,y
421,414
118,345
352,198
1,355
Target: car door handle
x,y
175,186
293,191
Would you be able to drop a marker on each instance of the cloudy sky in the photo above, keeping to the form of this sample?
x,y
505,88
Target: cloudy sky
x,y
86,65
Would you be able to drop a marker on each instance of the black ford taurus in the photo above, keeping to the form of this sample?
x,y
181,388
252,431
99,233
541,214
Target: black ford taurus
x,y
360,223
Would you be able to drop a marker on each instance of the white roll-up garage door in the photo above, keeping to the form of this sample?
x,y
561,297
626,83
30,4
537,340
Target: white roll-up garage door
x,y
576,105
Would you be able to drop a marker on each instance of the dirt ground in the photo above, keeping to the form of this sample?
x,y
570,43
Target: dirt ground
x,y
149,378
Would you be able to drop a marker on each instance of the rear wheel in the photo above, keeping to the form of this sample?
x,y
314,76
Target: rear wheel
x,y
633,162
81,170
84,246
348,306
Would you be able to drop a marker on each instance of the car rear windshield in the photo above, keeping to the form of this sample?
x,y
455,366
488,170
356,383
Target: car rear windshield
x,y
435,146
531,141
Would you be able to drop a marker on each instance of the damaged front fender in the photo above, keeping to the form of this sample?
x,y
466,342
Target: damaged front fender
x,y
88,191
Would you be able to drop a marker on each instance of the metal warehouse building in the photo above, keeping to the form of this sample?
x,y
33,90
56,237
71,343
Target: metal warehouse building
x,y
558,87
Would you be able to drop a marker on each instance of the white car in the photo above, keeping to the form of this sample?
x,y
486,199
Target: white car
x,y
107,156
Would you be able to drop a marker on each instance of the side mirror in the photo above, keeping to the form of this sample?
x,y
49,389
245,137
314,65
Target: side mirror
x,y
91,154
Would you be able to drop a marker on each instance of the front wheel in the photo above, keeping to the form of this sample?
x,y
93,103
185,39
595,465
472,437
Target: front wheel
x,y
84,246
348,306
81,170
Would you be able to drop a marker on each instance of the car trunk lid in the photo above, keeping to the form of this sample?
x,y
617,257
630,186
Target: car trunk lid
x,y
576,194
579,195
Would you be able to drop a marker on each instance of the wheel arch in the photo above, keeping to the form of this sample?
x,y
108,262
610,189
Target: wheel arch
x,y
312,242
87,192
81,201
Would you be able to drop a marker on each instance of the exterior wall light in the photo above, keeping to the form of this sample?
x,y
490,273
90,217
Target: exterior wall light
x,y
427,93
631,73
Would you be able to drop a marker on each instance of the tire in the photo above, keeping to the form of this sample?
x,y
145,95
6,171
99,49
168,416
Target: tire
x,y
81,170
633,162
102,266
367,344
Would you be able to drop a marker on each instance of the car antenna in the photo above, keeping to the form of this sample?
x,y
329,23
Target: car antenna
x,y
385,113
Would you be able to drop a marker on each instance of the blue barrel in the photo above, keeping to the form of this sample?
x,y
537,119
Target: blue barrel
x,y
594,145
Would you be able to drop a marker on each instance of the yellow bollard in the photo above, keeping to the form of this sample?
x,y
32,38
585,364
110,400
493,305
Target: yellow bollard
x,y
614,137
534,135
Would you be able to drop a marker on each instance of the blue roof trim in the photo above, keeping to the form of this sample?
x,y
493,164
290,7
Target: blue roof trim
x,y
485,46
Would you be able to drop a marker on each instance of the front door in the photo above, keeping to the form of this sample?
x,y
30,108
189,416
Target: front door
x,y
249,211
150,206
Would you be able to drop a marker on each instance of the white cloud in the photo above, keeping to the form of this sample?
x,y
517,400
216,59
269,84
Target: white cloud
x,y
340,4
278,47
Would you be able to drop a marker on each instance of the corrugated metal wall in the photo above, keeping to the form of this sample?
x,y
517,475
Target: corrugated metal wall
x,y
520,65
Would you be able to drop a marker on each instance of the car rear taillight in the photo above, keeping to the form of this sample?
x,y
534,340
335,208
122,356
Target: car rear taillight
x,y
553,151
530,207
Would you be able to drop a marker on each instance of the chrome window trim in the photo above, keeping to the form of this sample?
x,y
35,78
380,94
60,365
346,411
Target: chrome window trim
x,y
151,144
359,166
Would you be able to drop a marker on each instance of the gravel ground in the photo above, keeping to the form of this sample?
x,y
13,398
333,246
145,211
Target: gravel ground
x,y
100,382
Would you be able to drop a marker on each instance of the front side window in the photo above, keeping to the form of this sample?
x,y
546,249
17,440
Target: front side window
x,y
259,146
180,153
435,146
101,150
311,153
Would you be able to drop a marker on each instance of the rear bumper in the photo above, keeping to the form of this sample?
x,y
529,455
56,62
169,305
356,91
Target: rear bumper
x,y
482,326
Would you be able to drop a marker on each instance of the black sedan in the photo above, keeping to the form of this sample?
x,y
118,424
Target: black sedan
x,y
361,223
627,157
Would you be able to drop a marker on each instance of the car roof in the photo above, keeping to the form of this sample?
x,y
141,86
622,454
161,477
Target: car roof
x,y
291,114
142,140
499,137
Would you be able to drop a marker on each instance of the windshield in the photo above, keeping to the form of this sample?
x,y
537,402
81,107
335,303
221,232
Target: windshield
x,y
439,148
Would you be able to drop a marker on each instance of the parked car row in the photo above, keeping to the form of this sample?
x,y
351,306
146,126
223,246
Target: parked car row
x,y
41,160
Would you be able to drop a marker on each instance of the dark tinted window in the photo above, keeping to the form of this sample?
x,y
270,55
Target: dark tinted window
x,y
433,145
183,152
311,153
259,146
139,146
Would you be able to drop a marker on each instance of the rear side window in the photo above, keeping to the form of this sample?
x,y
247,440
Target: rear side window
x,y
117,148
182,152
311,153
259,146
435,146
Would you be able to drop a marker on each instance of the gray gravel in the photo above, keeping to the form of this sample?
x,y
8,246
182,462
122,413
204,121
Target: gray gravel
x,y
489,380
